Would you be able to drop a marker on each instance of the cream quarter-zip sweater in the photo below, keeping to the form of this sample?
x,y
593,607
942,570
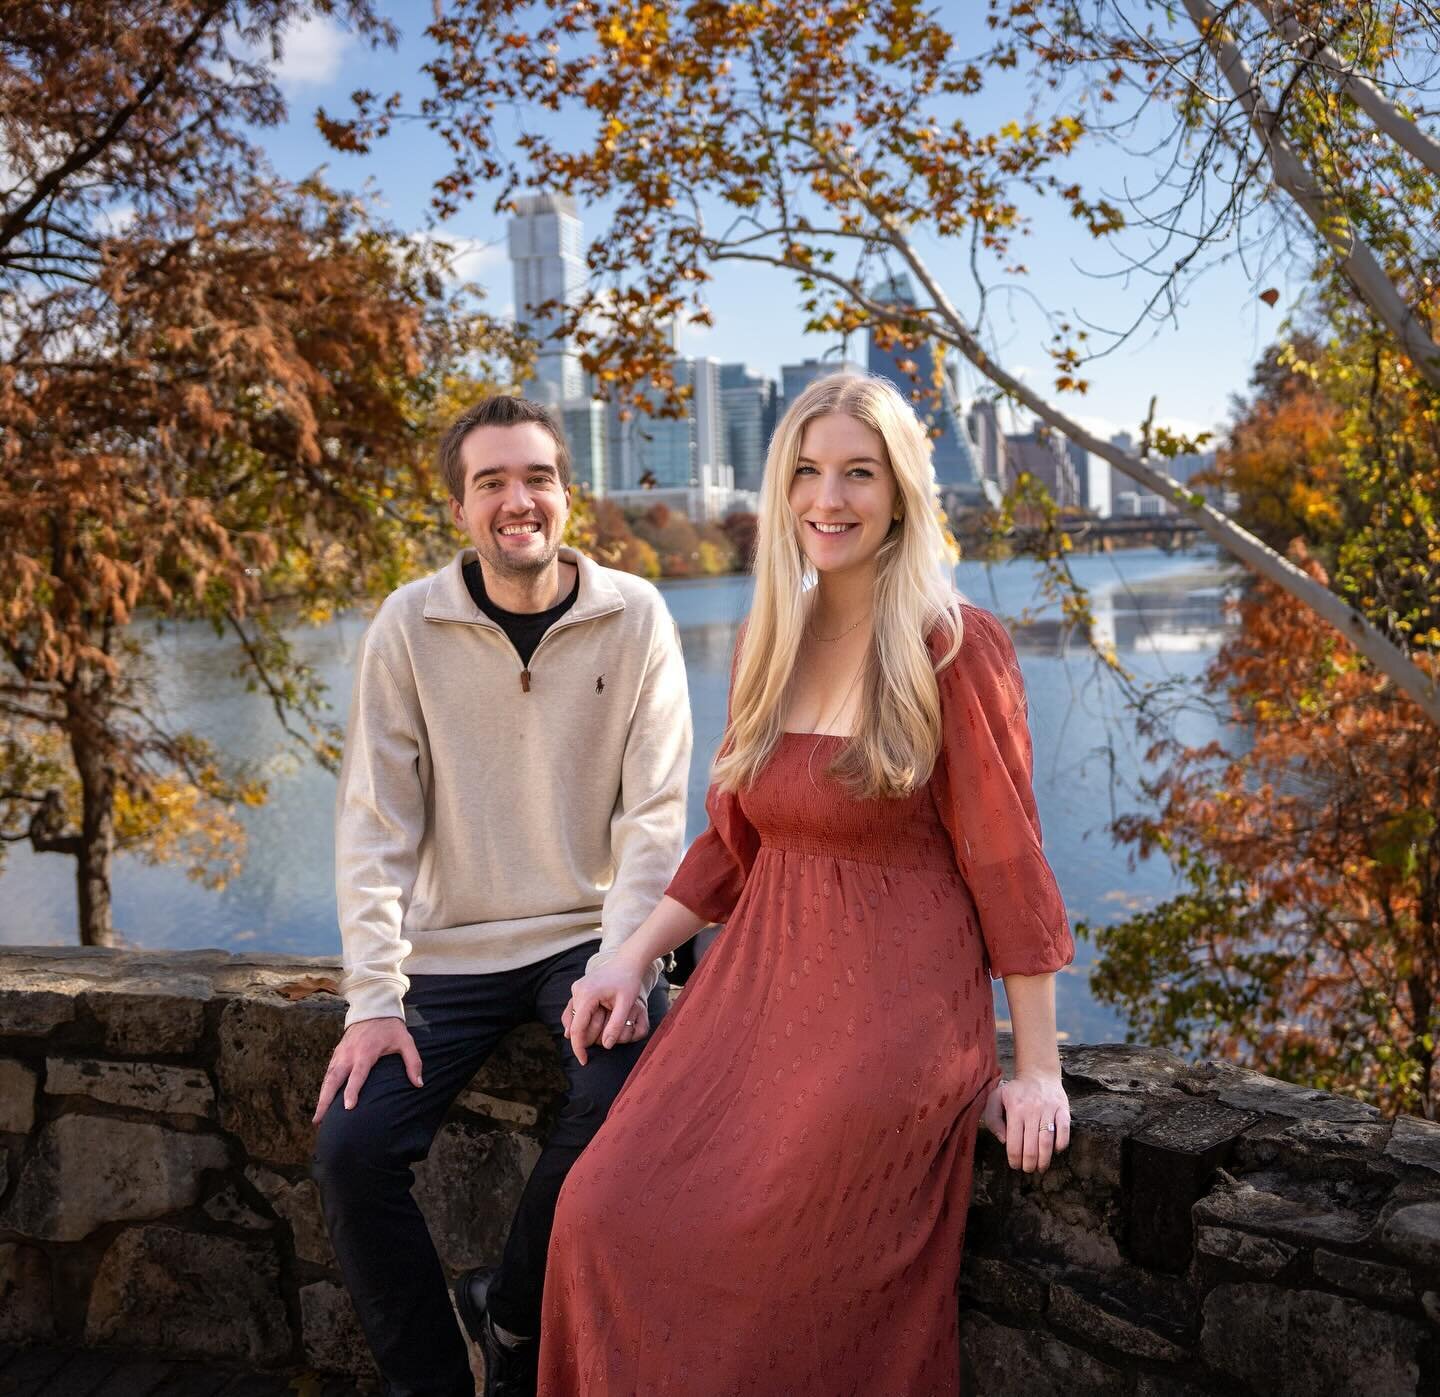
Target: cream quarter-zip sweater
x,y
491,815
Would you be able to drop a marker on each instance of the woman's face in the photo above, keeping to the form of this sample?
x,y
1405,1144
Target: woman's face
x,y
843,493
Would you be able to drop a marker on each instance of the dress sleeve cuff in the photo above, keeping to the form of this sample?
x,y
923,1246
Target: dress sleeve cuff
x,y
709,904
1042,950
708,881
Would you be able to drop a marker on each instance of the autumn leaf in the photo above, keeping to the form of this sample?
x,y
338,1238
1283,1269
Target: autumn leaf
x,y
1303,840
308,985
214,411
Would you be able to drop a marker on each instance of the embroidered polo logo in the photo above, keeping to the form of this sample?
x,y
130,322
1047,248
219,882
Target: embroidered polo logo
x,y
600,684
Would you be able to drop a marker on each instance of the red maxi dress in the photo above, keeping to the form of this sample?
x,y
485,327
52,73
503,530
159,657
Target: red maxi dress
x,y
777,1202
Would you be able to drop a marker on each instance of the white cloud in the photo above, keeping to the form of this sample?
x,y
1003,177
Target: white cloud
x,y
310,52
474,258
689,330
1190,427
115,220
1102,427
467,259
1107,427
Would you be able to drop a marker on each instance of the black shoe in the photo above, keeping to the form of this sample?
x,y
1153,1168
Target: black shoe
x,y
510,1369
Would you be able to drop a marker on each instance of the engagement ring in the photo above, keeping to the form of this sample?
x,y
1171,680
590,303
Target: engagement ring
x,y
630,1023
1050,1126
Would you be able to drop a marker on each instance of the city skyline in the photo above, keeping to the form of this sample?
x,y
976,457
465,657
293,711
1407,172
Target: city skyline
x,y
1193,362
709,461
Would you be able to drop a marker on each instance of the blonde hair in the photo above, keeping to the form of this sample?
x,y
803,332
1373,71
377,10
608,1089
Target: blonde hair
x,y
897,738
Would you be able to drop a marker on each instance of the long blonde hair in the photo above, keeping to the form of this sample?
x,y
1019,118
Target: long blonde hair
x,y
897,739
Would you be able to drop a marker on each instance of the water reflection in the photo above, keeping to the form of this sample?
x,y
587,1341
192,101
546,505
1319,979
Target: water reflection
x,y
1164,615
1173,616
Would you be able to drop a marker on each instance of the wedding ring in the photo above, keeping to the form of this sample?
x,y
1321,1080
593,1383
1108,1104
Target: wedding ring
x,y
630,1023
1050,1125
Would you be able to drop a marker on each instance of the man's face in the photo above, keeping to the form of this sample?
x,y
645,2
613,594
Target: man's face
x,y
514,507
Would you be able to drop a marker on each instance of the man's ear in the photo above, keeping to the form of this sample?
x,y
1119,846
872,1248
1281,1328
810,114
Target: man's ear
x,y
457,513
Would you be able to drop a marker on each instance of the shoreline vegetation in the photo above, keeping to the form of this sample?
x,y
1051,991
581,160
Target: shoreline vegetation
x,y
661,543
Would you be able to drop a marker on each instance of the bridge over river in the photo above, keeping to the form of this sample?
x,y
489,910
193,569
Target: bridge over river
x,y
1168,532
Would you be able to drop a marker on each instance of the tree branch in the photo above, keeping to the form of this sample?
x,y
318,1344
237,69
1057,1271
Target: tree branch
x,y
1368,97
1387,657
86,151
1360,265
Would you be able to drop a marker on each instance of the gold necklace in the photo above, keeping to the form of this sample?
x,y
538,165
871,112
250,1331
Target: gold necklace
x,y
828,639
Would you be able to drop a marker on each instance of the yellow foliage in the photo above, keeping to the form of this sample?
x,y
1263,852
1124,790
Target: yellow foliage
x,y
175,821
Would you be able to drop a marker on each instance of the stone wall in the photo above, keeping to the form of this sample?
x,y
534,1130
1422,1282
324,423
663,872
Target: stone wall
x,y
1209,1231
154,1156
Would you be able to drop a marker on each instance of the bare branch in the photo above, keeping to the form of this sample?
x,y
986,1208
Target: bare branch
x,y
1357,261
1245,546
1384,113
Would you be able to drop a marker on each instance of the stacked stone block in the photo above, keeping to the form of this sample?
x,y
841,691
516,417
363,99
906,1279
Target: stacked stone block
x,y
155,1140
1210,1231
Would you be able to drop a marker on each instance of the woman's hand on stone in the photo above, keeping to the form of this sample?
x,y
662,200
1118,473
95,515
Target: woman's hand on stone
x,y
361,1046
1019,1113
606,1006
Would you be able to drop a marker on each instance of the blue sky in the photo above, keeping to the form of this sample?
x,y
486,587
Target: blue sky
x,y
1193,365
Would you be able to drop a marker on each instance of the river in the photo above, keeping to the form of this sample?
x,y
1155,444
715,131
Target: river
x,y
1162,612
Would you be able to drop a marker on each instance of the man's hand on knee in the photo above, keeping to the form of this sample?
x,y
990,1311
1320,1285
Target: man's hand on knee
x,y
362,1045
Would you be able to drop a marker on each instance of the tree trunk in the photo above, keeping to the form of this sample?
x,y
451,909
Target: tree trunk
x,y
95,846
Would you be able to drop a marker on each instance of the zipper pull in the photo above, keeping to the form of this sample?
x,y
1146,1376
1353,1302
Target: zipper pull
x,y
524,681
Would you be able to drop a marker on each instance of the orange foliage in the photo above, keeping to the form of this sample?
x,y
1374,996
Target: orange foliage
x,y
1283,458
1308,942
215,390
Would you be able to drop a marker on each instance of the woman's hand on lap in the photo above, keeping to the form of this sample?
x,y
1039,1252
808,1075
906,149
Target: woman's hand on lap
x,y
606,1006
1018,1112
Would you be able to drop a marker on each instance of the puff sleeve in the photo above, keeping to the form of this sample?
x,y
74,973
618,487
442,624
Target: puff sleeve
x,y
712,874
986,801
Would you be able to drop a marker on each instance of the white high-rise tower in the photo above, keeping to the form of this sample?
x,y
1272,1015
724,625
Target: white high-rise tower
x,y
547,257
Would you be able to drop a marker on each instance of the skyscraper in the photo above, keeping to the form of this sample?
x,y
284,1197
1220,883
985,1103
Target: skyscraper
x,y
584,421
712,451
618,451
673,452
983,420
1080,462
796,378
748,407
1129,498
1044,453
547,257
957,465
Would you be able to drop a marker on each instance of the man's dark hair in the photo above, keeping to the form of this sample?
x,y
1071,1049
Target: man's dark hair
x,y
500,411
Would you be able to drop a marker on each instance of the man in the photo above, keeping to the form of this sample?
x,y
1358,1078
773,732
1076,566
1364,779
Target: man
x,y
511,806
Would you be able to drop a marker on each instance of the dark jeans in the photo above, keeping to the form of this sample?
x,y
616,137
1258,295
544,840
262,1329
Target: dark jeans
x,y
363,1158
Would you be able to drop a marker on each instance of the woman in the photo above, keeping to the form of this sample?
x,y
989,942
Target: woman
x,y
777,1201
